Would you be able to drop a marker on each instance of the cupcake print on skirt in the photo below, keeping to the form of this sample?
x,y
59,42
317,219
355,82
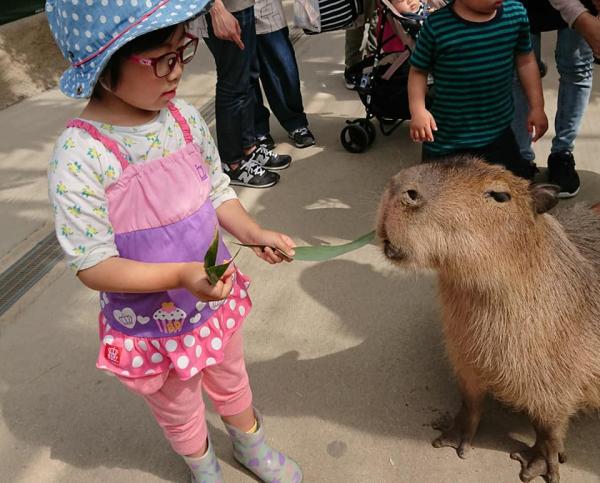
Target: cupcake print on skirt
x,y
169,318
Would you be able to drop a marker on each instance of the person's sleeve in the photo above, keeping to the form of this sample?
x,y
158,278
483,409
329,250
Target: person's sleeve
x,y
423,55
78,171
569,9
221,190
524,40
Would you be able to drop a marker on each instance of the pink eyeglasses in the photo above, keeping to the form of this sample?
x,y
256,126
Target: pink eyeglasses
x,y
165,64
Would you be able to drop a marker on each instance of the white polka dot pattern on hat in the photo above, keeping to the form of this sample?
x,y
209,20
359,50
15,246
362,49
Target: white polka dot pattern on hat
x,y
95,22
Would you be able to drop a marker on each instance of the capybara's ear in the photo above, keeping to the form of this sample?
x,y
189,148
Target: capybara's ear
x,y
545,196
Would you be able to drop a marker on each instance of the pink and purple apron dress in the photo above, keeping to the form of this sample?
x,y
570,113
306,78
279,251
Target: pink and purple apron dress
x,y
160,211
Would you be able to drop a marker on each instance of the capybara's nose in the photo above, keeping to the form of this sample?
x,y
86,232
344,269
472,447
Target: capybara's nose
x,y
411,197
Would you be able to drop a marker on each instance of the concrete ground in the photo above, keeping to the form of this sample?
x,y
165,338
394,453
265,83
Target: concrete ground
x,y
345,357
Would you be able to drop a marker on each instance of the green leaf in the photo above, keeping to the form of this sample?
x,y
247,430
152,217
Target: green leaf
x,y
211,255
326,252
215,272
322,252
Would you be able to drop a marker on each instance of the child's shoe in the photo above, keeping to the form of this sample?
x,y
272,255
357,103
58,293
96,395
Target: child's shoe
x,y
205,469
252,452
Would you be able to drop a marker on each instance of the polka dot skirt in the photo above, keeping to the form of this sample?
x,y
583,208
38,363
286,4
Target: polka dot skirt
x,y
187,353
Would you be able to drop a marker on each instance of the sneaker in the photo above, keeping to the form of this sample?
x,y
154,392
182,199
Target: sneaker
x,y
561,171
266,141
350,79
251,174
269,160
302,137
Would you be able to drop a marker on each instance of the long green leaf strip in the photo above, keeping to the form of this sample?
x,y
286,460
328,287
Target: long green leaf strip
x,y
321,253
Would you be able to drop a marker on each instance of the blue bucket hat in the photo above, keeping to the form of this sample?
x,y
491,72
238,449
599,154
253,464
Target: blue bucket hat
x,y
89,32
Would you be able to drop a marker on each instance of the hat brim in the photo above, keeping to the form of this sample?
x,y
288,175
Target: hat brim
x,y
79,82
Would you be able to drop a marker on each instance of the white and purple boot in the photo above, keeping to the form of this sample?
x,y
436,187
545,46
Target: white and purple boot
x,y
252,452
205,469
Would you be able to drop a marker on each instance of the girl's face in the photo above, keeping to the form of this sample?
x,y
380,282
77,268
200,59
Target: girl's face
x,y
138,85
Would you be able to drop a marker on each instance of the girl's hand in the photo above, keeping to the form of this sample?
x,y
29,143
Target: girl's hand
x,y
273,239
537,123
193,278
422,126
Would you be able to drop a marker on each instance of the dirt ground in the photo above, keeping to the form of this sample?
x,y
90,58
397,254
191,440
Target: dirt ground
x,y
30,61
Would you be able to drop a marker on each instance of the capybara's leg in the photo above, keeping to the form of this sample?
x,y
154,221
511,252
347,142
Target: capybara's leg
x,y
461,433
547,453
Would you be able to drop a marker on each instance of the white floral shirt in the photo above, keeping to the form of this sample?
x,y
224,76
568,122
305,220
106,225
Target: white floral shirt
x,y
81,169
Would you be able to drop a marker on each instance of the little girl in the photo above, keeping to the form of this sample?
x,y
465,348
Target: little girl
x,y
138,194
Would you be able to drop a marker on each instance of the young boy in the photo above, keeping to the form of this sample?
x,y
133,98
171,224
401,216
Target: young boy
x,y
471,47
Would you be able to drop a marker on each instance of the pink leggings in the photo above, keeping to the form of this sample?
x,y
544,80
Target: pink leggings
x,y
178,406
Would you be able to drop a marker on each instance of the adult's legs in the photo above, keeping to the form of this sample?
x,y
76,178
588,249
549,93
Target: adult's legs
x,y
575,64
280,79
261,113
235,95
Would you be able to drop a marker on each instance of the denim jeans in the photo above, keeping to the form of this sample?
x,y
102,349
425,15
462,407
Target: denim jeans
x,y
234,105
281,82
575,64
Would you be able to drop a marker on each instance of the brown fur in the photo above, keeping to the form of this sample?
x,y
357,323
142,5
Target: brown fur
x,y
519,289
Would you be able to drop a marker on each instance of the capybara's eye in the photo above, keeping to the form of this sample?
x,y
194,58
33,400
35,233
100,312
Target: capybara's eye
x,y
499,196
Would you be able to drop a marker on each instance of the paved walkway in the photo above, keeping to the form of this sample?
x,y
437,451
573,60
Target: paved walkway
x,y
345,356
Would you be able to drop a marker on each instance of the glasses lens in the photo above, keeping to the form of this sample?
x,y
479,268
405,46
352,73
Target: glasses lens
x,y
165,64
189,50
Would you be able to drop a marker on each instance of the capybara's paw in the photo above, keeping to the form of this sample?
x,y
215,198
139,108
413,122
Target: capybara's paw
x,y
454,438
534,464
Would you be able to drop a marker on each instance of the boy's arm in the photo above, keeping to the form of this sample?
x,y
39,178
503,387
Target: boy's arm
x,y
529,76
422,123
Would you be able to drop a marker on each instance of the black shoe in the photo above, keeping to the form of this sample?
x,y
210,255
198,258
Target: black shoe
x,y
251,174
302,137
561,171
350,79
266,141
269,160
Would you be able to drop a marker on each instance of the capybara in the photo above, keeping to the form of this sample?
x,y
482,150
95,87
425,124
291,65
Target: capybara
x,y
519,290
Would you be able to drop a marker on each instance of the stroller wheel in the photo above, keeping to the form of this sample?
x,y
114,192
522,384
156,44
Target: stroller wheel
x,y
371,131
355,138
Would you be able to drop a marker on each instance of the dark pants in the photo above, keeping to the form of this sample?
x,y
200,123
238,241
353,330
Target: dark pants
x,y
504,151
236,75
281,83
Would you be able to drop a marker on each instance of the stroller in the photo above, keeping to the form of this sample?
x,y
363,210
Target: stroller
x,y
382,77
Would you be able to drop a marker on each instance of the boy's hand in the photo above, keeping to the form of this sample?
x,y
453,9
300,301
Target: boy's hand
x,y
273,239
537,123
193,278
422,126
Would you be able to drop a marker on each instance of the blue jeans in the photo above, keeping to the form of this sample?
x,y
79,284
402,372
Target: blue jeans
x,y
575,65
234,105
281,83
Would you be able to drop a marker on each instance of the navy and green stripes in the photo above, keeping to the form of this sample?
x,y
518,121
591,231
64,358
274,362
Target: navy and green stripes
x,y
473,66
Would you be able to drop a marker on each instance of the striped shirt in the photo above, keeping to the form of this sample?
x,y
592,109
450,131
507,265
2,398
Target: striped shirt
x,y
473,67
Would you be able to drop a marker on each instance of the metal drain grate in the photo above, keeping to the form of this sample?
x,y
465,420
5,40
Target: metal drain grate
x,y
37,262
28,270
